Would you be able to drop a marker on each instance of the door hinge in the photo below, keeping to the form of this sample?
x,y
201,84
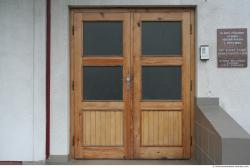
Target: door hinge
x,y
73,85
191,141
73,30
73,140
191,28
191,85
138,24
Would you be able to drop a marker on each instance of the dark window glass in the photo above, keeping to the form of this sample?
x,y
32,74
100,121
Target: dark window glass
x,y
102,83
102,38
161,83
161,38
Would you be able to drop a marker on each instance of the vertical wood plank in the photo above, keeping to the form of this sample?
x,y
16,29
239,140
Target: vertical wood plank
x,y
186,83
87,125
108,128
93,128
175,127
81,129
112,129
142,128
165,128
156,127
117,128
151,128
77,76
119,132
103,128
121,128
171,136
161,128
98,128
84,129
127,118
137,80
180,128
145,128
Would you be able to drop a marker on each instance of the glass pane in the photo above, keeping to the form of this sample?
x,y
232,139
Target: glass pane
x,y
161,38
102,38
102,83
161,83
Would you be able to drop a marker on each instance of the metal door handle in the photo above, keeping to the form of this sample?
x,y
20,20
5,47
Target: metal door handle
x,y
128,82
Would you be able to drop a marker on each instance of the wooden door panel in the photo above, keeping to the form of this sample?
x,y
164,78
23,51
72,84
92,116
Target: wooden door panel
x,y
161,128
102,128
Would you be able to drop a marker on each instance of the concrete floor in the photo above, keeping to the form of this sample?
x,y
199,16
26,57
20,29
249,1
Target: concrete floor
x,y
116,162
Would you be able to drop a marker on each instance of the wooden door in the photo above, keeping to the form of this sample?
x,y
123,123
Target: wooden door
x,y
161,85
131,73
101,70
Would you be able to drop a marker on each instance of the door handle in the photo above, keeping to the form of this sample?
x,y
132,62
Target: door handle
x,y
128,82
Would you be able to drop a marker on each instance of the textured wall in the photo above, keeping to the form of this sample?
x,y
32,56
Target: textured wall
x,y
230,85
22,67
59,78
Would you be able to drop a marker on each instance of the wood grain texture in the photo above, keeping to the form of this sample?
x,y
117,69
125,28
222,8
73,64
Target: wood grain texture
x,y
100,153
160,61
77,74
102,61
102,128
147,129
162,124
161,128
102,105
193,79
163,105
159,153
186,78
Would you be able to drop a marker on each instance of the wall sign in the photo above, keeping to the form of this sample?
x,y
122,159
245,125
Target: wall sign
x,y
232,47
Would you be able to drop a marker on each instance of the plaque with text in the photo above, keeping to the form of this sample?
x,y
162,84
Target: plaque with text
x,y
232,48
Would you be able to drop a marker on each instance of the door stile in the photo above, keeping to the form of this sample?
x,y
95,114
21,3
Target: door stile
x,y
77,77
137,83
127,83
192,76
186,84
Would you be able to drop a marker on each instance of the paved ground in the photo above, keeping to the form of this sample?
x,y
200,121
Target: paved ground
x,y
117,162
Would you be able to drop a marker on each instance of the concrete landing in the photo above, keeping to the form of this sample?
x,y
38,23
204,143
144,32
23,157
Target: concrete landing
x,y
116,162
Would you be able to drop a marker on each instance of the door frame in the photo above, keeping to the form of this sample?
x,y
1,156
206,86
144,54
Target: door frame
x,y
135,9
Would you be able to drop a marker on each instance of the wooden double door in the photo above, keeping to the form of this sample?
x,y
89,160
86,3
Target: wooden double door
x,y
131,73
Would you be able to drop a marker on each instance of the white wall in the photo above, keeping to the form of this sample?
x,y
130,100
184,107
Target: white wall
x,y
59,78
232,86
22,79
